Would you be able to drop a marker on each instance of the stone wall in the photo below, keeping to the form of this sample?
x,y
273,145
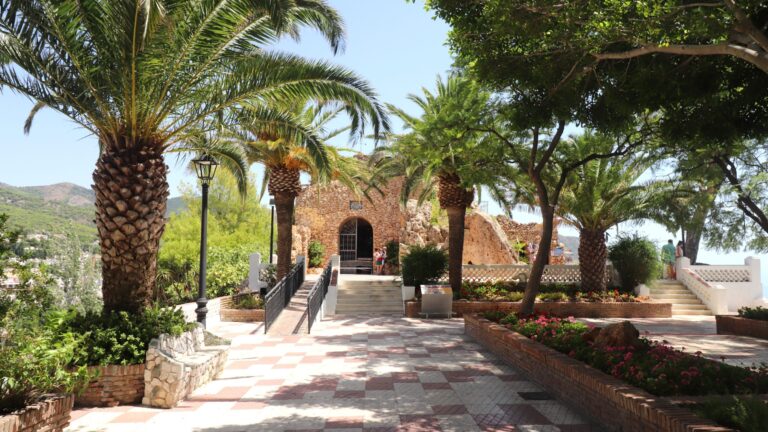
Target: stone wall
x,y
323,209
114,385
485,242
529,233
50,415
177,365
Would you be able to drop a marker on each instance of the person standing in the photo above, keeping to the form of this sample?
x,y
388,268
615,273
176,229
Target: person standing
x,y
383,258
376,260
668,259
679,251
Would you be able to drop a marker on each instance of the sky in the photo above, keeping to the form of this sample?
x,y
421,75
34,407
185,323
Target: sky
x,y
397,46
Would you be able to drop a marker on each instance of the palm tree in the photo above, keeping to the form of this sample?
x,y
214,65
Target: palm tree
x,y
285,158
601,194
441,149
139,74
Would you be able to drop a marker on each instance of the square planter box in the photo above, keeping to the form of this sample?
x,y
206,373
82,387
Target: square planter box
x,y
230,314
575,309
50,415
728,324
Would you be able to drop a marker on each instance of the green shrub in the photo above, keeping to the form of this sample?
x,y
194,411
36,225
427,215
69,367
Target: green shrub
x,y
247,301
635,259
393,253
316,251
423,264
553,297
756,313
514,296
746,414
117,337
32,365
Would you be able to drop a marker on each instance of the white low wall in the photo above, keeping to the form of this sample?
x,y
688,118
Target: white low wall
x,y
740,285
214,306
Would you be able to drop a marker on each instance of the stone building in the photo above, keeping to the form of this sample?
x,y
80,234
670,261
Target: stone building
x,y
353,226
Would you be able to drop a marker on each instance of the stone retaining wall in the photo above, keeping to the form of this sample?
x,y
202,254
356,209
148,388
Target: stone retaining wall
x,y
114,385
177,365
615,404
727,324
51,415
575,309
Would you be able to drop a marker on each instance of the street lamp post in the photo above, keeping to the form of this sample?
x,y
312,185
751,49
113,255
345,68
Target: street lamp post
x,y
206,169
271,229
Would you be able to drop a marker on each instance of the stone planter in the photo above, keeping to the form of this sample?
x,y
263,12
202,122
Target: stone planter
x,y
230,314
575,309
608,400
114,385
728,324
409,292
50,415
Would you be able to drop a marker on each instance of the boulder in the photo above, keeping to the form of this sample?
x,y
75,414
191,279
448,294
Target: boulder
x,y
621,334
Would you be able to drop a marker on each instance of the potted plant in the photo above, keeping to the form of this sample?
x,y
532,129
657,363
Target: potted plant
x,y
422,265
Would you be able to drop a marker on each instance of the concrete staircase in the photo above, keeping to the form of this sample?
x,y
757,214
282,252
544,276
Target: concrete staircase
x,y
369,295
683,301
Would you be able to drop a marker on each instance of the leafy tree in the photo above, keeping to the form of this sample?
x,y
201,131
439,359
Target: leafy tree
x,y
76,273
236,229
441,149
286,157
8,239
601,194
139,75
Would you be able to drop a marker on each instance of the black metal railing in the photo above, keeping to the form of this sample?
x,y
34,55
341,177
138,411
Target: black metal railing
x,y
281,294
316,296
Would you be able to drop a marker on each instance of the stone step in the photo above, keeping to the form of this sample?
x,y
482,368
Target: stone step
x,y
361,305
370,282
673,296
369,288
692,312
679,308
368,311
672,289
675,301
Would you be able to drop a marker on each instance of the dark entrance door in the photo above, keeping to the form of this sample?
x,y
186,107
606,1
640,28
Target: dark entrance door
x,y
356,246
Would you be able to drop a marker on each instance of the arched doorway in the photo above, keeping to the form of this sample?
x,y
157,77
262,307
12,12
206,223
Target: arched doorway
x,y
356,246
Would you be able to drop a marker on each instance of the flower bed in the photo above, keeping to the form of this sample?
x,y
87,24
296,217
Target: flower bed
x,y
557,351
576,309
727,324
242,308
51,414
557,292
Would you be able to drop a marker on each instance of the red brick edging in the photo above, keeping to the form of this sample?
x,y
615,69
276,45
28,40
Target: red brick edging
x,y
727,324
228,313
575,309
50,415
608,400
114,385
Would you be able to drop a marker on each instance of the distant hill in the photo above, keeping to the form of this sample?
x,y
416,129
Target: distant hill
x,y
56,208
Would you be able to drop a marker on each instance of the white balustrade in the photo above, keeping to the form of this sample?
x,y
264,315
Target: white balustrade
x,y
740,284
714,296
561,273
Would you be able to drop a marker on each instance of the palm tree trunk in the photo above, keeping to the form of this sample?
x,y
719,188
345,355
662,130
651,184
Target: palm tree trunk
x,y
592,256
537,269
284,202
131,196
455,245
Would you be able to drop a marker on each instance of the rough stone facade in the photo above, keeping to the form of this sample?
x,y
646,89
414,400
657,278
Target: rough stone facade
x,y
322,210
49,415
530,233
177,365
114,385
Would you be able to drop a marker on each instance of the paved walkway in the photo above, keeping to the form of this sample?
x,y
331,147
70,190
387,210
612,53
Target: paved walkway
x,y
293,319
354,374
698,333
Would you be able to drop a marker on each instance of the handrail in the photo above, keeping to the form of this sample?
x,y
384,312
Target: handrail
x,y
280,295
317,295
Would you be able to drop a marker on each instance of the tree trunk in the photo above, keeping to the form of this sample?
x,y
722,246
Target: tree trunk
x,y
284,203
592,256
537,269
131,195
455,245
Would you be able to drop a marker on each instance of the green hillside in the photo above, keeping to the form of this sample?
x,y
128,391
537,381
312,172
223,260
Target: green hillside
x,y
50,209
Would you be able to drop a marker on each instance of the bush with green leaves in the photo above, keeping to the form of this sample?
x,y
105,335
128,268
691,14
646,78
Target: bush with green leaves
x,y
423,265
636,260
247,301
755,313
109,338
746,414
316,250
393,253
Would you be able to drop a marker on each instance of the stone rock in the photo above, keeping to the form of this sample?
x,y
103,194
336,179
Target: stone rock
x,y
621,334
591,335
485,242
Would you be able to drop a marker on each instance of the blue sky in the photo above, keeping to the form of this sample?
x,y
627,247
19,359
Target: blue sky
x,y
395,45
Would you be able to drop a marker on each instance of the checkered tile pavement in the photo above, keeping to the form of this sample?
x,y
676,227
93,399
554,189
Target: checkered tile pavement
x,y
354,374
